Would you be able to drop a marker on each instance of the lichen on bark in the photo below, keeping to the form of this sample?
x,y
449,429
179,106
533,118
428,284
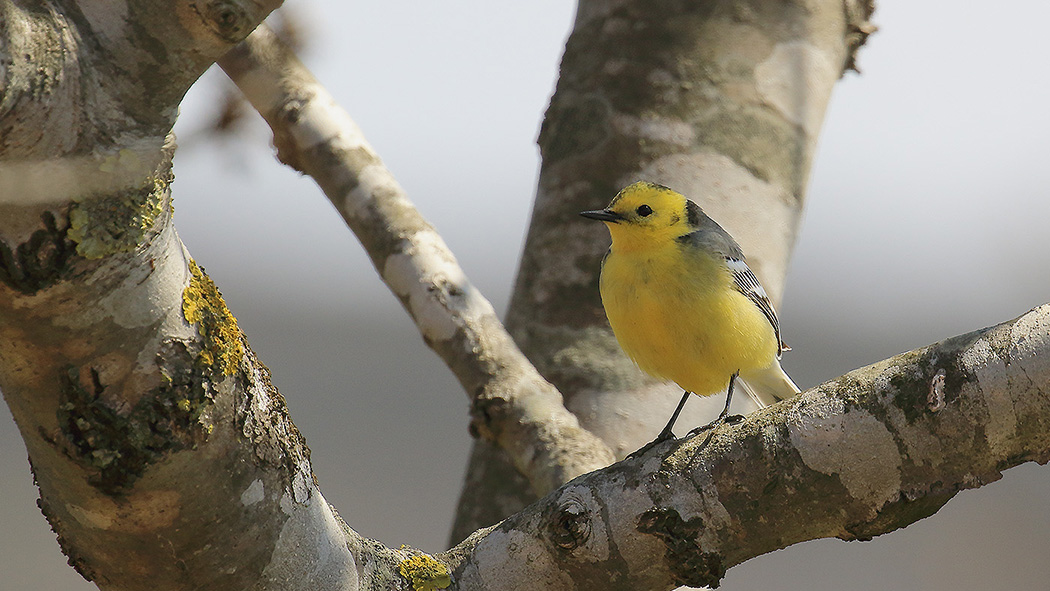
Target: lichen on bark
x,y
118,444
425,573
38,262
689,564
103,225
222,342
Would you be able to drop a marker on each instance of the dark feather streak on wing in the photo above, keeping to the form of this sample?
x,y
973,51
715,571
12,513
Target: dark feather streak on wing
x,y
746,283
708,236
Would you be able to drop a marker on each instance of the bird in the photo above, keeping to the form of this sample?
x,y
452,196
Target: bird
x,y
684,305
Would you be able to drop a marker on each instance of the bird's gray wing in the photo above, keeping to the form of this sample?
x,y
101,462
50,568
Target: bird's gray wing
x,y
708,236
746,283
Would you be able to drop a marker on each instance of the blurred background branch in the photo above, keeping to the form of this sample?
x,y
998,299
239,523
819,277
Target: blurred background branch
x,y
513,406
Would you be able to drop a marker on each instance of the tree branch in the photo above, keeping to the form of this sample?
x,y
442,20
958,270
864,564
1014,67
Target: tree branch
x,y
511,403
862,455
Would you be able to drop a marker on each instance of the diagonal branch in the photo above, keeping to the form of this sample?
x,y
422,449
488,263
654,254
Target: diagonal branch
x,y
862,455
511,403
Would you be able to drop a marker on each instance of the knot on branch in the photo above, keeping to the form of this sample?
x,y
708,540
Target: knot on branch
x,y
289,152
38,262
688,563
485,412
569,524
226,18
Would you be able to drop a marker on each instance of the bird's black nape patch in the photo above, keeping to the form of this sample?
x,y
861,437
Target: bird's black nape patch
x,y
693,213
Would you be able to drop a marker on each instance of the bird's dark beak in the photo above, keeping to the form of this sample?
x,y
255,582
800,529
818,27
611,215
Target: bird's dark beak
x,y
603,215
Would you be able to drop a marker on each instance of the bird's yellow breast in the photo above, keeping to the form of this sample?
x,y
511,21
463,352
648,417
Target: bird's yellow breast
x,y
677,314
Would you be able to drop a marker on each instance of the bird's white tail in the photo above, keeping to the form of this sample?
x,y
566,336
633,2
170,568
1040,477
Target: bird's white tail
x,y
768,386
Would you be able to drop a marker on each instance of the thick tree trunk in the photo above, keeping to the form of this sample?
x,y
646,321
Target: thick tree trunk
x,y
165,458
721,101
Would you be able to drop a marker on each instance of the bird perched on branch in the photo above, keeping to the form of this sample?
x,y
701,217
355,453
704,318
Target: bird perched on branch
x,y
683,303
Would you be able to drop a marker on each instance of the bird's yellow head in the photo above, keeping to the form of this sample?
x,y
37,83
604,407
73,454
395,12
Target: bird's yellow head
x,y
645,215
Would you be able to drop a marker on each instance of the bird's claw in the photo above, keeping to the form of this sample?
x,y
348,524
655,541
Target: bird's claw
x,y
721,420
665,435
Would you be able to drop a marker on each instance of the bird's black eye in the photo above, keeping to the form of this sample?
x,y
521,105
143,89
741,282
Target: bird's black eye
x,y
644,210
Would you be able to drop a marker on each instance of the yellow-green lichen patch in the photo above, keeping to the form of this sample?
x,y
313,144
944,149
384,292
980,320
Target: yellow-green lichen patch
x,y
425,573
103,225
203,306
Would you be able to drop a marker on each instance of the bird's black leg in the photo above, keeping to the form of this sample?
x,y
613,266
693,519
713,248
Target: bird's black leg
x,y
729,397
724,416
667,432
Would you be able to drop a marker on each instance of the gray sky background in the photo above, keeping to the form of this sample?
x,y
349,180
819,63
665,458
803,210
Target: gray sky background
x,y
927,217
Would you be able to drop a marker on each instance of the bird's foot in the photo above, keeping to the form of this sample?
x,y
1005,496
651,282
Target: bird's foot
x,y
724,419
665,435
734,419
